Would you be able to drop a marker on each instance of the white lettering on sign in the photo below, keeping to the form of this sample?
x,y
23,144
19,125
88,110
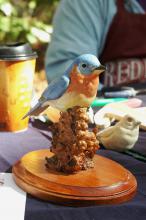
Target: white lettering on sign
x,y
144,75
125,71
122,72
109,76
136,70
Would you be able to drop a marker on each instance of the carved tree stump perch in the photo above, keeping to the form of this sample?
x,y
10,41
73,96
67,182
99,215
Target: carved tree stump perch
x,y
73,144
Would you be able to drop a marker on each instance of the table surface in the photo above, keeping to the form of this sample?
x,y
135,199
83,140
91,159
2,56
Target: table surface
x,y
14,145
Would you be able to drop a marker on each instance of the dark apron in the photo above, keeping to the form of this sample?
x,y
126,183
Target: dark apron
x,y
125,49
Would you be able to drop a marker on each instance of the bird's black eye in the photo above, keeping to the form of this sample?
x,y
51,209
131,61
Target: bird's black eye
x,y
84,65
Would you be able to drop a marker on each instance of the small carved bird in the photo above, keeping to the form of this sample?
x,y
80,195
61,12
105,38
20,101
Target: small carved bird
x,y
121,136
76,87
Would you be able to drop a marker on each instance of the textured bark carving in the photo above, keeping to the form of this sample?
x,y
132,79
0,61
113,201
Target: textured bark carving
x,y
73,144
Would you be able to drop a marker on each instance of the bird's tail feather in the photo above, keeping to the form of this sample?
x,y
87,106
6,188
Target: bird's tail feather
x,y
36,110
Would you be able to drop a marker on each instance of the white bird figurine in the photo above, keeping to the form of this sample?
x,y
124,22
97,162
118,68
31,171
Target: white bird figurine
x,y
121,136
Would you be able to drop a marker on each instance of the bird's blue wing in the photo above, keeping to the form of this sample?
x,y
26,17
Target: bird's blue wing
x,y
56,88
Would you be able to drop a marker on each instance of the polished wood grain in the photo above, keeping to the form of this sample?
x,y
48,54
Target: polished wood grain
x,y
107,183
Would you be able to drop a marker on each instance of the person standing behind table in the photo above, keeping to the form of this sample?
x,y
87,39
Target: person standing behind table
x,y
112,30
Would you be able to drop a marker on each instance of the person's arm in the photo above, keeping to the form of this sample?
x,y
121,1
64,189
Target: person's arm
x,y
79,27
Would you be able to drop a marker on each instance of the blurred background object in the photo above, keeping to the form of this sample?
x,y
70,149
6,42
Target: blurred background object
x,y
29,21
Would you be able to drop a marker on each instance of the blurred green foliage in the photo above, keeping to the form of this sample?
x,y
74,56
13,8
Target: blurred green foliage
x,y
26,20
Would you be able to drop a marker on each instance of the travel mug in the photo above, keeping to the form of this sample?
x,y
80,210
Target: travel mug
x,y
17,67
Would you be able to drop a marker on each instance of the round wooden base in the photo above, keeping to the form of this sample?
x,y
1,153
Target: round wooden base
x,y
107,183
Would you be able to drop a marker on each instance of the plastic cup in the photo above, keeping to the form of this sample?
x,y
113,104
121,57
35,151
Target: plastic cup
x,y
17,67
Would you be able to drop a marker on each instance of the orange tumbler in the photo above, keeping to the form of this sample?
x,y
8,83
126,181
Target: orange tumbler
x,y
17,66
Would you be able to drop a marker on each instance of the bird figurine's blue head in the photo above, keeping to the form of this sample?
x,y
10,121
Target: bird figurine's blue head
x,y
88,63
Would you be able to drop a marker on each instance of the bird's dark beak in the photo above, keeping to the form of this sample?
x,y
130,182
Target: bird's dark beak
x,y
99,69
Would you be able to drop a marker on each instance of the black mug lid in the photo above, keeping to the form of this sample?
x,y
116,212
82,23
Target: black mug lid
x,y
17,51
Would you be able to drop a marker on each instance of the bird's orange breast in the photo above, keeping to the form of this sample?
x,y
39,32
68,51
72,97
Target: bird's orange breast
x,y
83,84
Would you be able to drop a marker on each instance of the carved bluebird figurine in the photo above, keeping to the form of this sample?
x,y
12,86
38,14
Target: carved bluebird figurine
x,y
76,87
